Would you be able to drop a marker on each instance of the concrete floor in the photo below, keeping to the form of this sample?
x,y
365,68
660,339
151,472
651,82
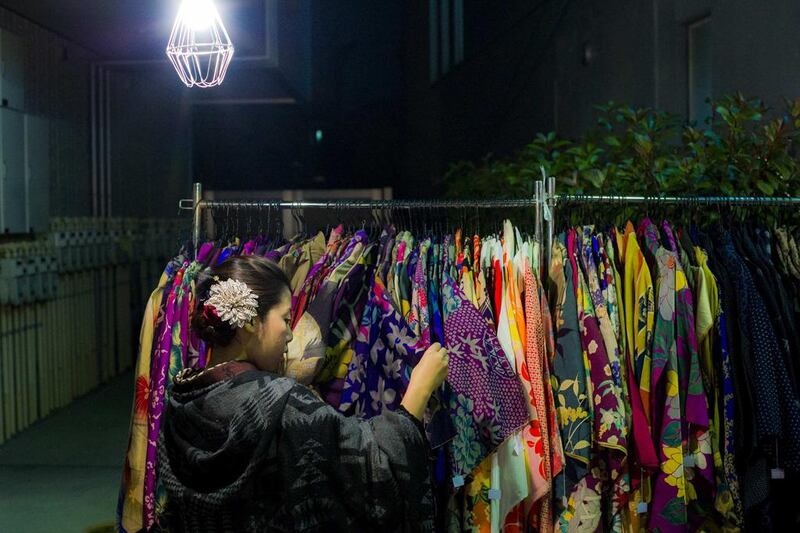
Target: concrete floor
x,y
63,473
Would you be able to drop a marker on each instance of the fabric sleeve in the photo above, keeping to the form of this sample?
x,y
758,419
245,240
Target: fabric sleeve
x,y
416,421
362,472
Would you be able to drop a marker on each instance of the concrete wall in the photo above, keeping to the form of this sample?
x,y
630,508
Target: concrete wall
x,y
56,74
150,151
524,70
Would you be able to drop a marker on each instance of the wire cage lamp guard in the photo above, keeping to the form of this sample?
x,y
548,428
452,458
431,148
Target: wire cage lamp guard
x,y
199,46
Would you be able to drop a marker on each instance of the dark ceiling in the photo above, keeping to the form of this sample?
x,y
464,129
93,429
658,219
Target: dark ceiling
x,y
137,29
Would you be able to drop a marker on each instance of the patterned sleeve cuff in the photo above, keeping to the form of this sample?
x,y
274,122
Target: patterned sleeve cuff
x,y
417,422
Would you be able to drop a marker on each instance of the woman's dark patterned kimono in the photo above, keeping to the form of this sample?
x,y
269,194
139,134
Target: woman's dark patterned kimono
x,y
244,450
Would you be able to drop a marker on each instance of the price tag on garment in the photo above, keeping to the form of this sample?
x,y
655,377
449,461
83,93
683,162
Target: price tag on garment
x,y
518,447
641,508
777,473
546,212
494,494
688,461
458,481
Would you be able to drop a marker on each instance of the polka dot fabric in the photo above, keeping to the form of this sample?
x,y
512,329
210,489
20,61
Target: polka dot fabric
x,y
776,405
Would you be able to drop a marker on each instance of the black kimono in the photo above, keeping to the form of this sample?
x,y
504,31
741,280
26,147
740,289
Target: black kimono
x,y
244,450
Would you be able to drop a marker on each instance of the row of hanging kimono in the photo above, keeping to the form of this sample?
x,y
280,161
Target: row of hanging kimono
x,y
647,381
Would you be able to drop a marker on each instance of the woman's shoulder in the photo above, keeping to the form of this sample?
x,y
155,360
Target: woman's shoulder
x,y
233,383
273,386
262,390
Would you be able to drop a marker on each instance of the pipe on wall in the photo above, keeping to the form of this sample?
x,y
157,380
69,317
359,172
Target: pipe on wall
x,y
93,126
107,129
100,118
100,155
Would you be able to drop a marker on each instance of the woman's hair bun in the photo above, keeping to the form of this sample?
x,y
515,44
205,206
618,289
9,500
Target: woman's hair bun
x,y
216,333
262,276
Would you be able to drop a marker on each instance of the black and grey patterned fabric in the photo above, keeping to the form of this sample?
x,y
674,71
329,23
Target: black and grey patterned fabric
x,y
246,451
775,406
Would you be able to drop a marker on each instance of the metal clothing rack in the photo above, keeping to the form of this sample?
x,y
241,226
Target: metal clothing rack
x,y
197,204
545,201
552,199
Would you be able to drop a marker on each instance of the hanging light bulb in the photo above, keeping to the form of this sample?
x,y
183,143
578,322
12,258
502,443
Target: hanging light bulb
x,y
199,47
198,14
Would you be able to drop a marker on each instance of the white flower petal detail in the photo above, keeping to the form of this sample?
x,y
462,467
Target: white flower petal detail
x,y
235,303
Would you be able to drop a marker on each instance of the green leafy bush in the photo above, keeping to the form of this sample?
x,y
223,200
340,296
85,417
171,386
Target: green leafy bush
x,y
739,152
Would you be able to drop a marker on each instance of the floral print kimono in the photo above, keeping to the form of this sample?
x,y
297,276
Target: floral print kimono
x,y
307,349
131,505
609,394
419,316
385,352
487,404
720,387
695,417
548,444
348,304
169,358
679,436
518,474
603,487
569,381
639,304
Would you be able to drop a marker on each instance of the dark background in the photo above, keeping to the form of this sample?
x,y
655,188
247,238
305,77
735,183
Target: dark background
x,y
398,89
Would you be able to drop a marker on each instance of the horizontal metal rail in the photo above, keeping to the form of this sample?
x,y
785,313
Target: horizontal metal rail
x,y
188,204
684,200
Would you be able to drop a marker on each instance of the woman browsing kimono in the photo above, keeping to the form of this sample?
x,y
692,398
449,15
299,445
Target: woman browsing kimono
x,y
244,448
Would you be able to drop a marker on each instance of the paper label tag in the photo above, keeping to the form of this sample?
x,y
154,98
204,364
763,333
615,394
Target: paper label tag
x,y
688,461
458,481
641,508
777,473
546,212
494,494
517,447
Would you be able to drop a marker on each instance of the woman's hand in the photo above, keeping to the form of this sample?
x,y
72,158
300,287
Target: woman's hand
x,y
431,370
426,377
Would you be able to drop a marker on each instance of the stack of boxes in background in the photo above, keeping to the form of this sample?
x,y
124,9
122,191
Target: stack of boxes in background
x,y
71,303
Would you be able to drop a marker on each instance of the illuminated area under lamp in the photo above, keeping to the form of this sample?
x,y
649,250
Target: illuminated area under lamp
x,y
199,46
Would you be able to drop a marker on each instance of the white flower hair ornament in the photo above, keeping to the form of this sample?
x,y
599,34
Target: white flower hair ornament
x,y
234,302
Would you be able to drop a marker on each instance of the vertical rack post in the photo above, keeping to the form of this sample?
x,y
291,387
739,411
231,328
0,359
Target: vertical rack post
x,y
537,194
550,202
197,197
